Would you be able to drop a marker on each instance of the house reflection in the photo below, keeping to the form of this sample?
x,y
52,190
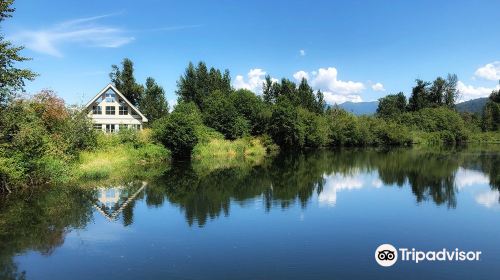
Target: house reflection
x,y
111,201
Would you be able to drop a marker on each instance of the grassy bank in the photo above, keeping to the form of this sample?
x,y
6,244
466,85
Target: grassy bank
x,y
120,157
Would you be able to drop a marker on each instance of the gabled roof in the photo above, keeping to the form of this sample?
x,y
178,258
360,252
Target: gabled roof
x,y
111,86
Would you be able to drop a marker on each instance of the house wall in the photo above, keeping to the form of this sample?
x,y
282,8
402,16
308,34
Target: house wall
x,y
131,120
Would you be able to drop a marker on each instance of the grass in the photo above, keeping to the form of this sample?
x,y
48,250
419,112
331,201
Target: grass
x,y
121,157
220,153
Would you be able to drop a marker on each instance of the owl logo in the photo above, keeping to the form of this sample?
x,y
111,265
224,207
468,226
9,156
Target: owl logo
x,y
386,255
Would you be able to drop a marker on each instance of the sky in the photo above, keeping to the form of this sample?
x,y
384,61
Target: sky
x,y
351,50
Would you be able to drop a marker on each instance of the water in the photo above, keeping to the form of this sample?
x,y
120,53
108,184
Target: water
x,y
318,215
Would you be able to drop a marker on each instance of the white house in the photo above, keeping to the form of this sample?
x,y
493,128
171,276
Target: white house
x,y
110,111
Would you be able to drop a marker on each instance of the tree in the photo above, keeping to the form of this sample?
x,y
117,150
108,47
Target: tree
x,y
12,79
442,92
391,106
153,103
252,108
419,96
177,131
285,127
221,114
491,112
198,83
124,81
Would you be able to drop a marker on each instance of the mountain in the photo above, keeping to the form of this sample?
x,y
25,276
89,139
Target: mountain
x,y
472,106
369,108
360,108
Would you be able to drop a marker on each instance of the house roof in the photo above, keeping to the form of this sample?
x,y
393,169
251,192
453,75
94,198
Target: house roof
x,y
111,86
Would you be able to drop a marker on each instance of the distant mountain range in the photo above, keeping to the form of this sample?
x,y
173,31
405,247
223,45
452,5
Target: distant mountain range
x,y
472,106
369,108
360,108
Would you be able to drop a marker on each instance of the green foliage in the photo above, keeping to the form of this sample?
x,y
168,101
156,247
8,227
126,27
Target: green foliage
x,y
448,123
12,79
287,91
441,92
221,114
285,126
252,108
491,113
39,137
316,128
198,83
391,105
153,103
177,132
124,81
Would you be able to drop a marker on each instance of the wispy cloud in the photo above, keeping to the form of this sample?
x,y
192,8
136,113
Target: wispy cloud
x,y
81,31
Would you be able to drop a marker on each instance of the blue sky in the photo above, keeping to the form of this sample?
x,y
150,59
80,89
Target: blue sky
x,y
352,50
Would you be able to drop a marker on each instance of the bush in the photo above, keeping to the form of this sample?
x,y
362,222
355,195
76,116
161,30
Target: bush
x,y
177,132
447,122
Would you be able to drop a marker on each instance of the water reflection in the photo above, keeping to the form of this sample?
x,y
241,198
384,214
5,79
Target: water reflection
x,y
435,176
111,201
40,221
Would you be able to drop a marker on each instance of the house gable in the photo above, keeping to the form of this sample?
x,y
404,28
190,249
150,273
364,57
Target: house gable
x,y
111,94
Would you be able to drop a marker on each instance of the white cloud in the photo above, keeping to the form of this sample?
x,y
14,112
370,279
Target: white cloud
x,y
302,52
334,90
490,71
468,92
488,199
255,80
466,178
301,74
82,31
378,87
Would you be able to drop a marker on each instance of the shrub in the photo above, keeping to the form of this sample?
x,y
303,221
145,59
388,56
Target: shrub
x,y
447,122
177,132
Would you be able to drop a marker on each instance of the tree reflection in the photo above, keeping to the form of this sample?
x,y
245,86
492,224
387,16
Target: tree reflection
x,y
294,178
38,221
41,220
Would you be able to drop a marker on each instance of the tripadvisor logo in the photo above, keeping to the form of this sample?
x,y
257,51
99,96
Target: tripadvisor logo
x,y
387,255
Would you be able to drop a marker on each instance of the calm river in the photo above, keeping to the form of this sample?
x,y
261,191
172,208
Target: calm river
x,y
316,215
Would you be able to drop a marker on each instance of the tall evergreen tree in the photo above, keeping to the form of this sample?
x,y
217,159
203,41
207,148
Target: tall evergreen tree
x,y
12,79
153,103
199,82
124,81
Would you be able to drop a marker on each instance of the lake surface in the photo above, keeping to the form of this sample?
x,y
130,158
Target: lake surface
x,y
316,215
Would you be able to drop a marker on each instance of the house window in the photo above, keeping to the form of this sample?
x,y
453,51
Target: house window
x,y
96,110
123,126
110,96
110,110
97,126
123,110
110,128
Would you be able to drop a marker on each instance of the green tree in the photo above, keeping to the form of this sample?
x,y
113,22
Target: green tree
x,y
252,108
177,131
391,106
419,96
491,112
285,126
198,83
153,103
221,114
125,82
441,92
12,79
